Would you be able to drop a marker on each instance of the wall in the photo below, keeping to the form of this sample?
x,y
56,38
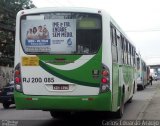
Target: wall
x,y
6,75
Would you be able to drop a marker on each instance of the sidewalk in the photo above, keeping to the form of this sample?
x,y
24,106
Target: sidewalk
x,y
152,111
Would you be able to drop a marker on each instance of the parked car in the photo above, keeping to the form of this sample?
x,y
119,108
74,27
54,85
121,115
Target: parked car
x,y
6,95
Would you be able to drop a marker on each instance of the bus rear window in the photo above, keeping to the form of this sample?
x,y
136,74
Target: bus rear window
x,y
61,33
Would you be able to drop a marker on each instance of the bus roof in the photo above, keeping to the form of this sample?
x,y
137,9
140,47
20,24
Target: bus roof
x,y
57,9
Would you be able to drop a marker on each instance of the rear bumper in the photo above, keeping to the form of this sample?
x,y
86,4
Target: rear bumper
x,y
101,102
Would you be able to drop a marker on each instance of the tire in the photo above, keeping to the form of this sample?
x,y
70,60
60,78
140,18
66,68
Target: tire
x,y
120,111
6,105
130,100
134,88
142,87
60,115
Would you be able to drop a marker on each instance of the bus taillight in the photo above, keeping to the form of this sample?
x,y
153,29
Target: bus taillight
x,y
17,72
105,72
17,78
105,80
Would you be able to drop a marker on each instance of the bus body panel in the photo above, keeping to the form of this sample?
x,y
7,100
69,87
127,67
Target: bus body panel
x,y
129,79
100,102
116,84
39,80
84,88
141,72
123,74
70,74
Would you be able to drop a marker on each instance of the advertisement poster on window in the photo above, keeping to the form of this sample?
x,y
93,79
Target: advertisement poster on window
x,y
51,36
64,36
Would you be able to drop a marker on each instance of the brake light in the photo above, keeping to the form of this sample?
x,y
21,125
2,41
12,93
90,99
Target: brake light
x,y
105,80
17,78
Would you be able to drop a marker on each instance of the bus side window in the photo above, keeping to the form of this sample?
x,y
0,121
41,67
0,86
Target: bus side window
x,y
134,57
122,47
131,56
114,39
125,52
129,53
138,63
119,47
144,66
114,44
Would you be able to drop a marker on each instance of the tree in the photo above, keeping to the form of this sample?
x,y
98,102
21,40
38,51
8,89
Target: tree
x,y
8,11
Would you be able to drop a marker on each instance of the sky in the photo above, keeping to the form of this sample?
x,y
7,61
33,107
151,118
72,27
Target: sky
x,y
139,19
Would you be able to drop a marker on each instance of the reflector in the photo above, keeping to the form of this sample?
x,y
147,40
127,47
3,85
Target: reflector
x,y
17,80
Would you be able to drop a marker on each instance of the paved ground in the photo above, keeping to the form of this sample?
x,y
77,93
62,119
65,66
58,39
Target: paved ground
x,y
152,111
141,99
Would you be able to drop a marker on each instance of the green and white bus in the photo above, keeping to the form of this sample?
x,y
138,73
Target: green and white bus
x,y
142,73
72,59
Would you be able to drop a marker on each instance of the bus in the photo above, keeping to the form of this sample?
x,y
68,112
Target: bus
x,y
142,73
72,59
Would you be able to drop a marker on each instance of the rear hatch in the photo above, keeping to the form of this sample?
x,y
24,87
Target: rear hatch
x,y
61,53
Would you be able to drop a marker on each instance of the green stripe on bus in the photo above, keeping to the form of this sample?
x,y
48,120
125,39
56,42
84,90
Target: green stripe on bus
x,y
58,59
82,75
55,72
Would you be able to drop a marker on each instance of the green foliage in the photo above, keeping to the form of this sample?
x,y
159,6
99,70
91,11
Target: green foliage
x,y
8,11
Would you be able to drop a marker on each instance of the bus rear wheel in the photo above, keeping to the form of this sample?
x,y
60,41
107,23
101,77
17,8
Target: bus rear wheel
x,y
142,87
60,115
120,111
130,100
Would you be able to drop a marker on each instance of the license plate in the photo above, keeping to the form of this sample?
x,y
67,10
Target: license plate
x,y
60,87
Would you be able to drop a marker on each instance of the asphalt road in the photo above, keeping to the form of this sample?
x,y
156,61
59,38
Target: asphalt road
x,y
133,111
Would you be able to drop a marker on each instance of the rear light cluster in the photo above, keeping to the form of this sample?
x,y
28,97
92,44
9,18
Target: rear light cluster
x,y
105,80
17,78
